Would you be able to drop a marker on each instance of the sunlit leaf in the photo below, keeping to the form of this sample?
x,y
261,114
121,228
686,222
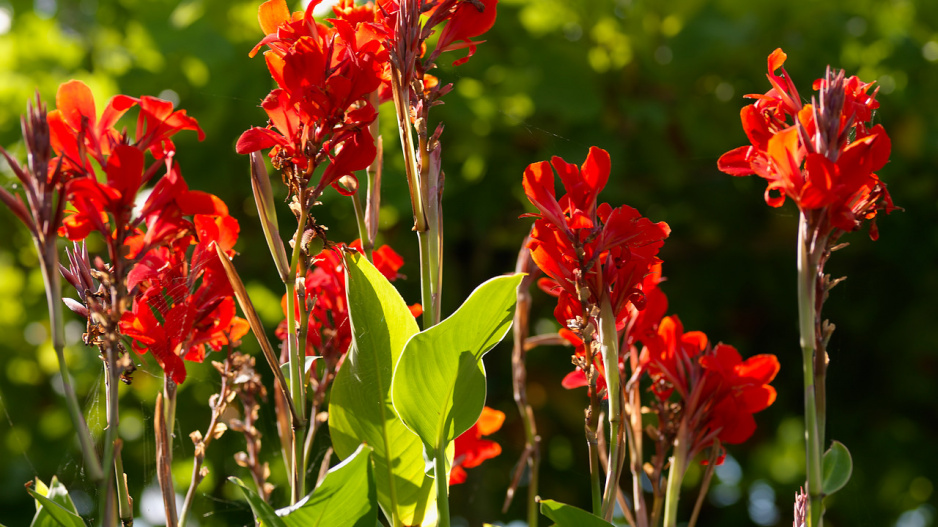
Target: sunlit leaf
x,y
569,516
360,409
439,383
262,510
345,498
55,508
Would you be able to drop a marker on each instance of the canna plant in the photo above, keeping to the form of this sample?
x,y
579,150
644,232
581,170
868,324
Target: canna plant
x,y
823,156
601,263
400,387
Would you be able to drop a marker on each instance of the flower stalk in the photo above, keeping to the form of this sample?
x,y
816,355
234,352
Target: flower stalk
x,y
531,456
442,484
609,344
676,475
807,277
45,196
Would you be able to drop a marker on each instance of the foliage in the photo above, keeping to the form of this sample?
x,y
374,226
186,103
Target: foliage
x,y
658,86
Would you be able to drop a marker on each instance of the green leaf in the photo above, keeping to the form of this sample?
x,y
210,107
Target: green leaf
x,y
310,360
56,509
345,498
262,510
360,408
439,382
569,516
837,468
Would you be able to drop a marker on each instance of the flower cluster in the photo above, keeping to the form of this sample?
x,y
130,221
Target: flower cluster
x,y
588,250
331,76
180,303
320,110
822,155
718,391
184,304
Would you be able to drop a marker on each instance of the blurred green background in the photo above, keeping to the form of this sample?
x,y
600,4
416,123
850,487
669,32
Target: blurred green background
x,y
657,84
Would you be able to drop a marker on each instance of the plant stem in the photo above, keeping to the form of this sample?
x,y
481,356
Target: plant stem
x,y
164,448
596,490
48,264
367,243
635,451
110,437
676,475
807,275
164,471
609,344
592,435
297,359
442,485
125,509
401,96
532,441
373,176
431,182
708,476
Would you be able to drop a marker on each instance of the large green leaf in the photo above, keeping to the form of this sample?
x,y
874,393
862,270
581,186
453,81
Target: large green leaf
x,y
569,516
360,408
54,506
439,382
262,510
345,498
837,468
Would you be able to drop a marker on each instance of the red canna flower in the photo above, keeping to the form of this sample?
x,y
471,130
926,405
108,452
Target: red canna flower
x,y
82,141
470,19
666,357
321,110
717,391
744,390
75,130
587,249
184,304
471,450
822,155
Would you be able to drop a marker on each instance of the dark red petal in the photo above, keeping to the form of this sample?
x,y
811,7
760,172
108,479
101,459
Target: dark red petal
x,y
574,379
754,399
736,162
761,368
258,139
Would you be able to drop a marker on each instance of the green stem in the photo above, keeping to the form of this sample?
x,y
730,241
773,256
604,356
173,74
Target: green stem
x,y
373,176
442,485
676,476
636,448
110,437
402,106
609,344
708,476
592,436
169,394
125,509
807,275
297,359
535,467
427,280
432,190
367,243
48,264
596,489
